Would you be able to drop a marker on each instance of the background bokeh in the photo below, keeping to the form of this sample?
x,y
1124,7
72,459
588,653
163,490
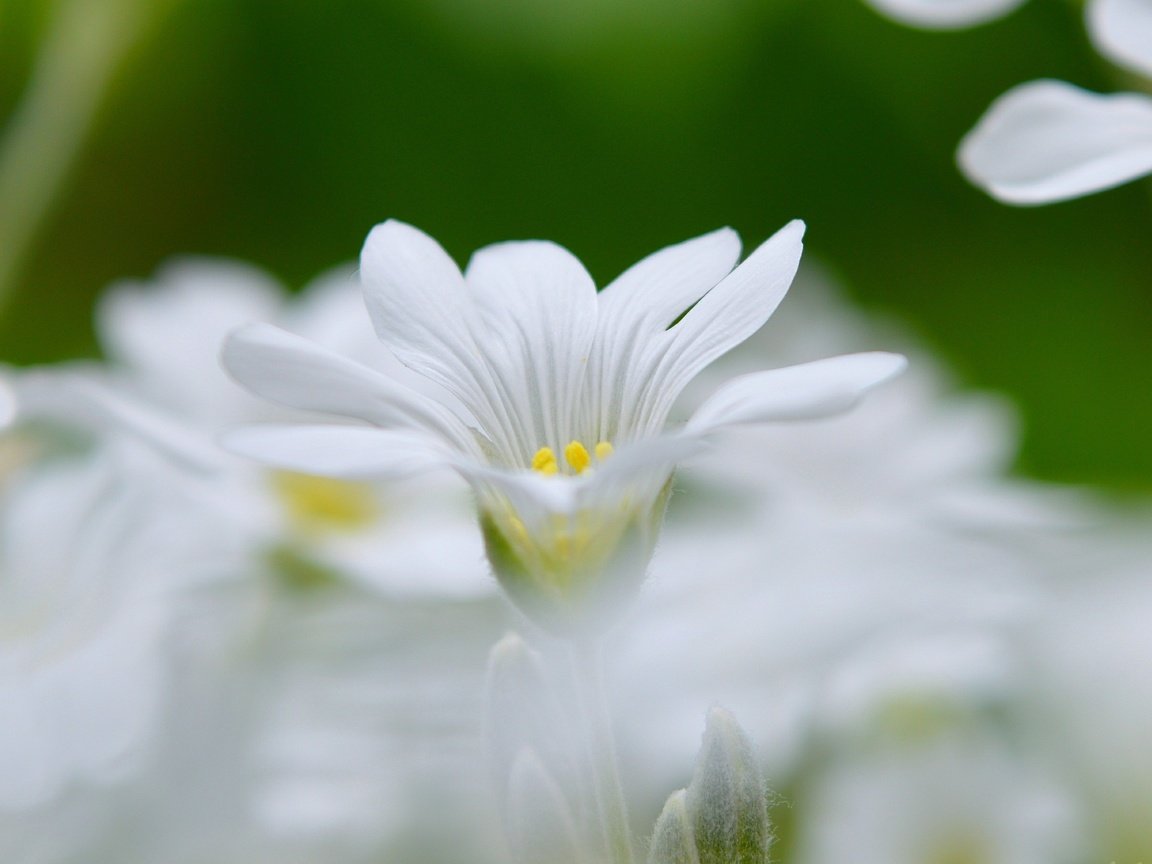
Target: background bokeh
x,y
279,131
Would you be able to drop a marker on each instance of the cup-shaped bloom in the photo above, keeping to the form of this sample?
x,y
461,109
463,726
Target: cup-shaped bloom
x,y
555,397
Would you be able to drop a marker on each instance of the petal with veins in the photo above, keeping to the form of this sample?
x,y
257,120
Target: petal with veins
x,y
809,391
638,307
292,371
727,315
536,320
1049,141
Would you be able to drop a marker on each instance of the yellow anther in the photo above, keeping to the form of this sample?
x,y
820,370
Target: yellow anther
x,y
545,461
577,456
603,451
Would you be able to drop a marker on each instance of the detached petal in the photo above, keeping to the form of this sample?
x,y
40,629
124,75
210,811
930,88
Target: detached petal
x,y
284,368
727,315
1122,30
1049,141
944,14
536,321
808,391
340,451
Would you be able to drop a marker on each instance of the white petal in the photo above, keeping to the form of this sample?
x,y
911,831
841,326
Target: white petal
x,y
416,299
1122,30
808,391
640,304
7,403
1049,141
659,288
538,307
80,396
292,371
944,14
727,315
339,451
170,329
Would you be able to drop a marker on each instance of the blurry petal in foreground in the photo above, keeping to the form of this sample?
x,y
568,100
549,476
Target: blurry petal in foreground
x,y
1048,141
1122,30
944,14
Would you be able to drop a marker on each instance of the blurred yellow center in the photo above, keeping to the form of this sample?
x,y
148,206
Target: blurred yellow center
x,y
576,455
321,504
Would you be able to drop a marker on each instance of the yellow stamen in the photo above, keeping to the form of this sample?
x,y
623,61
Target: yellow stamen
x,y
577,456
603,451
545,461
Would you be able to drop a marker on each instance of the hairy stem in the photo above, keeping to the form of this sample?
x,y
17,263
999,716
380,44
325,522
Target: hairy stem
x,y
588,664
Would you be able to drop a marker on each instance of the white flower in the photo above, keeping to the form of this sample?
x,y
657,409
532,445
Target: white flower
x,y
890,532
1048,141
80,624
164,384
976,802
556,396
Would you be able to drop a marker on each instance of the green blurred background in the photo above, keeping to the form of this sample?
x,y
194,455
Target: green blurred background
x,y
279,131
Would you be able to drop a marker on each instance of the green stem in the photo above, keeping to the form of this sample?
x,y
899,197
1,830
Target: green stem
x,y
588,663
86,41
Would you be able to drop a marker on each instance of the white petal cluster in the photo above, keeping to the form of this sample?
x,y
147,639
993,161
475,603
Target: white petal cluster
x,y
876,602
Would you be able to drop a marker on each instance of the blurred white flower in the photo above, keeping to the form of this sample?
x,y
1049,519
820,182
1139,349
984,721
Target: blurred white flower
x,y
163,338
798,553
1091,651
944,14
956,800
82,613
1047,141
557,396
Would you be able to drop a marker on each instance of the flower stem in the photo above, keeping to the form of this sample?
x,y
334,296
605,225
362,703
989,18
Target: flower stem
x,y
588,664
85,45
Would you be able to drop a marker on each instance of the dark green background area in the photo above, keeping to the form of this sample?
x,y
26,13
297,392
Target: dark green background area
x,y
280,131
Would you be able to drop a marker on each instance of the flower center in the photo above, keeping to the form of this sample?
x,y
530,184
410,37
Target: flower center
x,y
322,504
576,455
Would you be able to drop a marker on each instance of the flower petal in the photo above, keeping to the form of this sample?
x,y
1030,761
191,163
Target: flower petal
x,y
7,403
416,299
808,391
642,303
81,396
944,14
340,451
292,371
537,307
723,318
1122,30
169,329
1049,141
